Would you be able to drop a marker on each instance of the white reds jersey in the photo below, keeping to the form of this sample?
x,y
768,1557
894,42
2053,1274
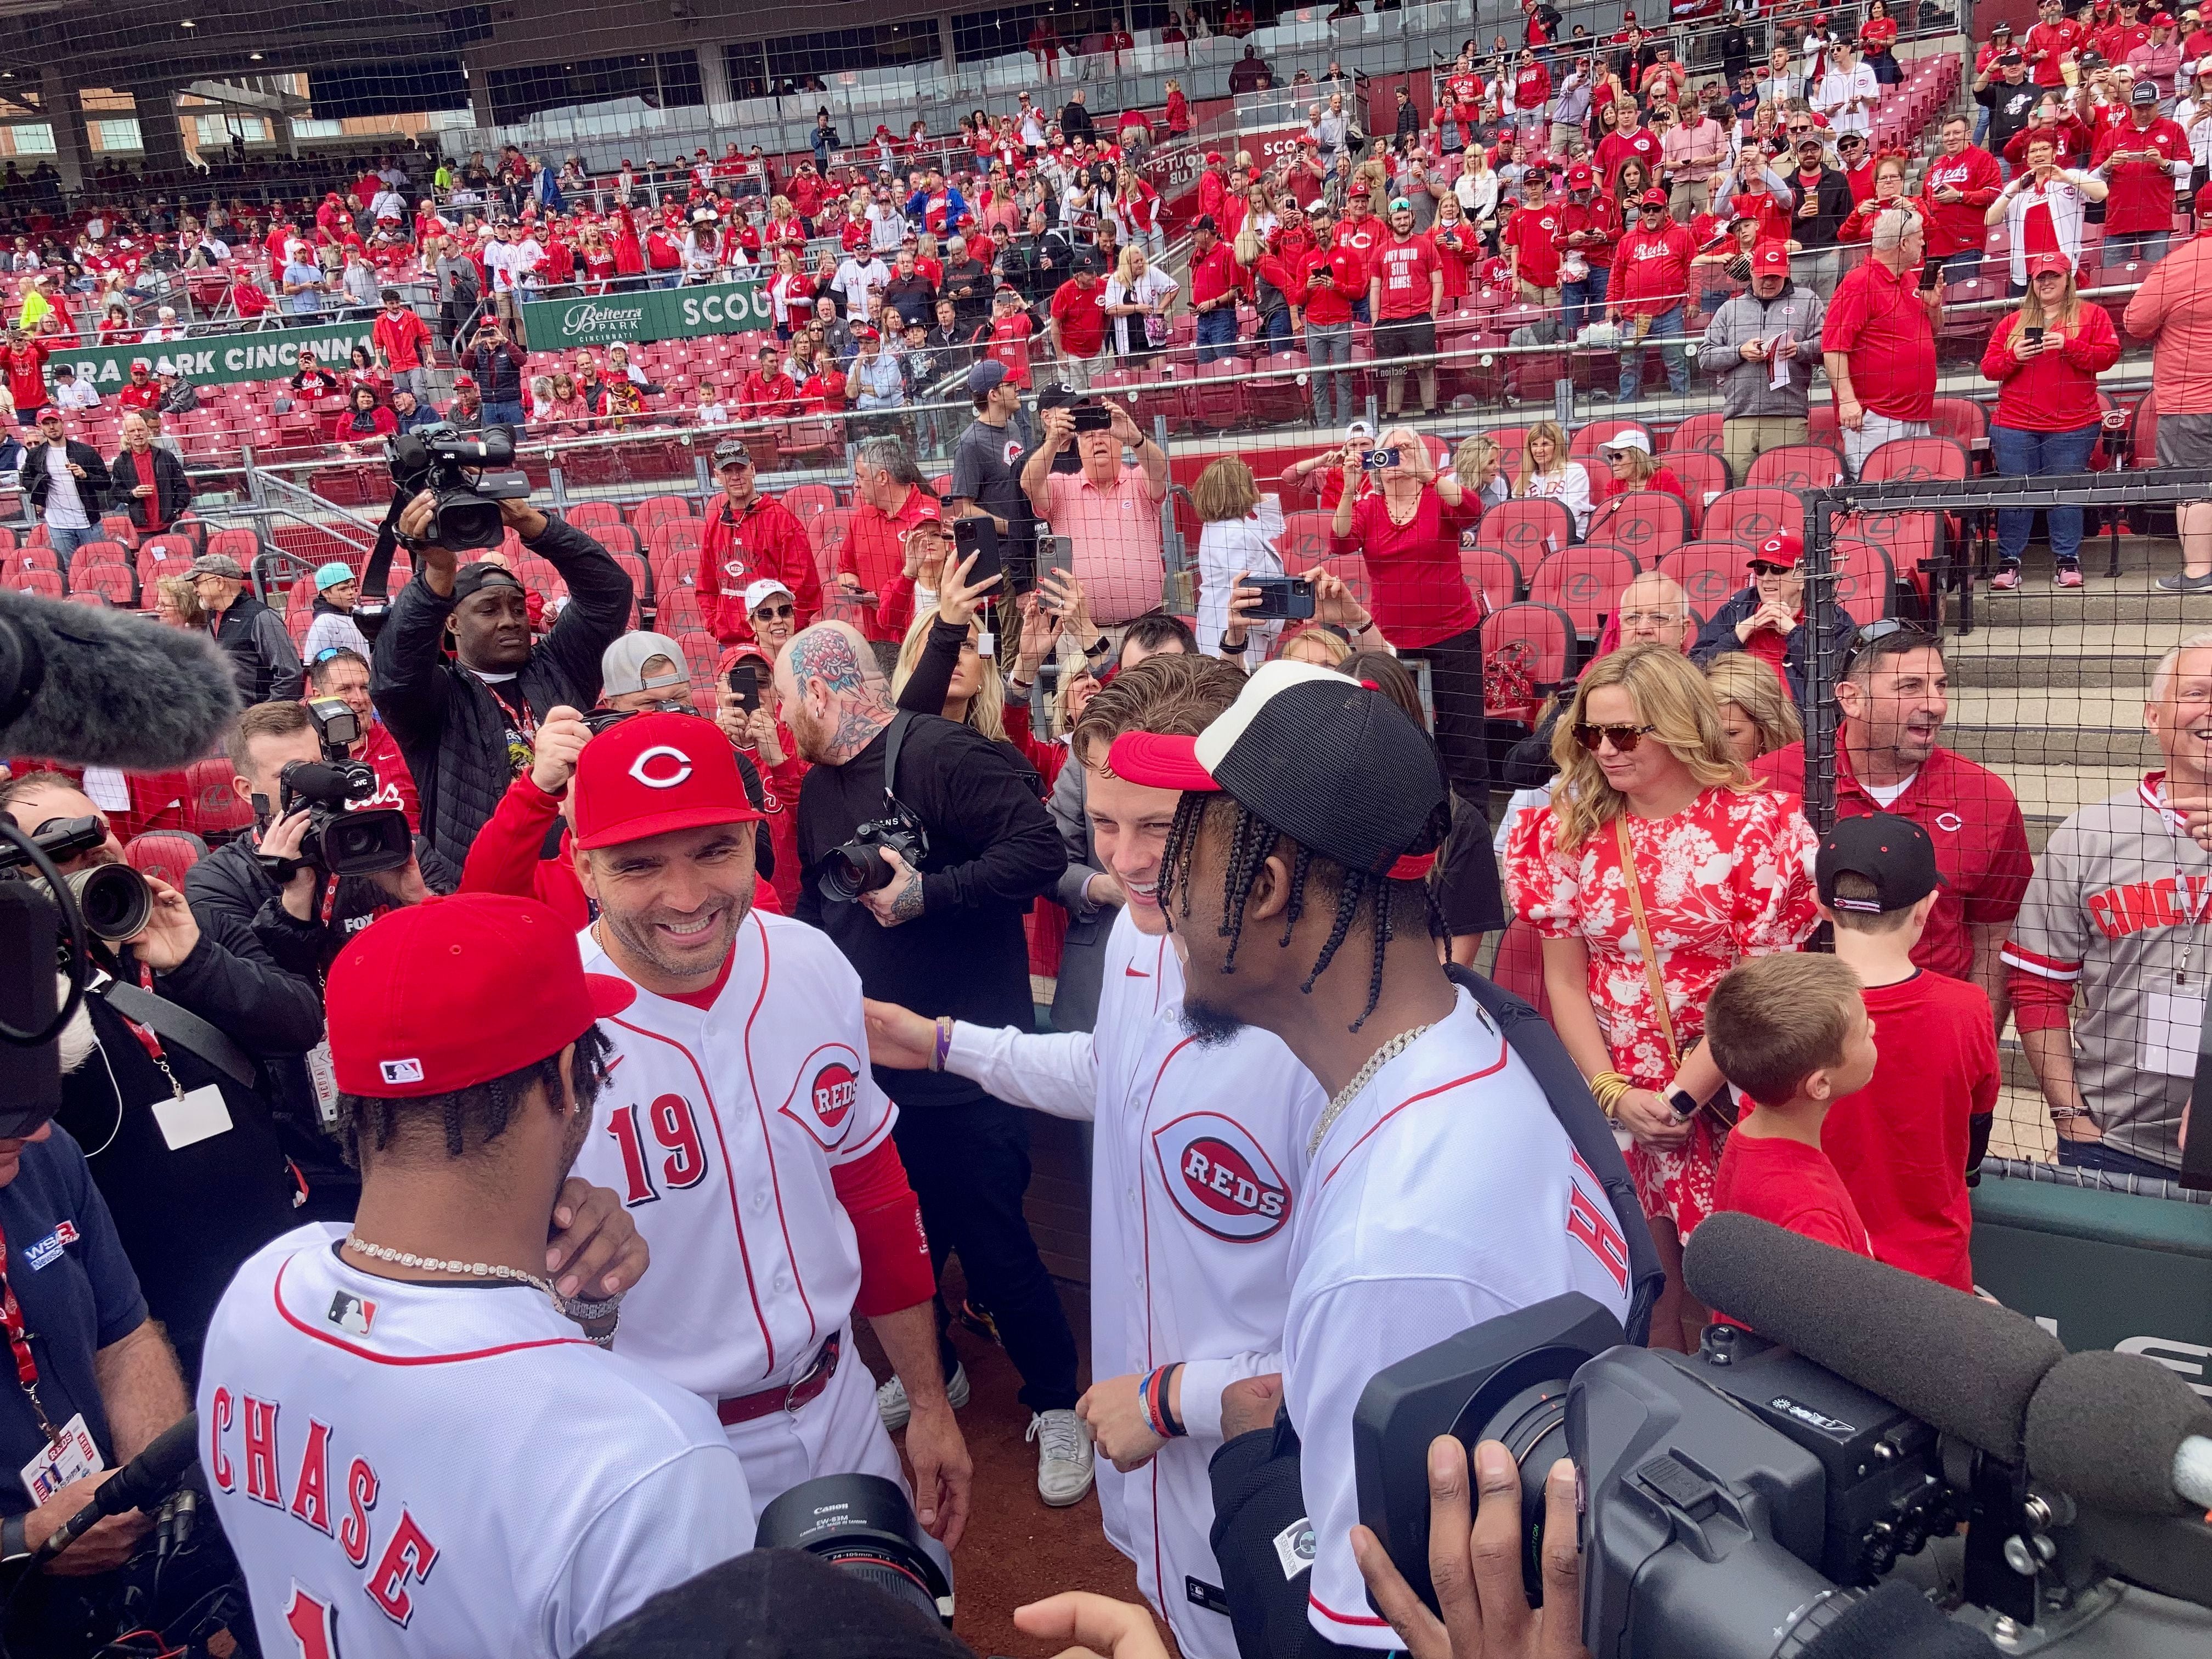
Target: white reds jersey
x,y
717,1128
1193,1182
408,1469
1446,1193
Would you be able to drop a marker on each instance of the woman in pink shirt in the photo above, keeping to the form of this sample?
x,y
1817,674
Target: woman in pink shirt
x,y
1407,532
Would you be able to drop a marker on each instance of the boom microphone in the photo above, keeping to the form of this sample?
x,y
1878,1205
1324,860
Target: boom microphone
x,y
2118,1431
140,1483
99,688
1967,1367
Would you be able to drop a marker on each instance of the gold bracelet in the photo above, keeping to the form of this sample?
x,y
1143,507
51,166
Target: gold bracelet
x,y
1607,1088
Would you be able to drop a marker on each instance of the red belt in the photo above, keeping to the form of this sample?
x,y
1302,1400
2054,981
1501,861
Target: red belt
x,y
788,1397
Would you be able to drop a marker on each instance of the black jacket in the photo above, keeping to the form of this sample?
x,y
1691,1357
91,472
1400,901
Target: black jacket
x,y
1833,192
171,494
90,489
448,726
1075,122
991,850
1718,636
498,371
262,654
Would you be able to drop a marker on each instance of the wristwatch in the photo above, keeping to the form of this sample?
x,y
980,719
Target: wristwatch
x,y
1683,1104
15,1540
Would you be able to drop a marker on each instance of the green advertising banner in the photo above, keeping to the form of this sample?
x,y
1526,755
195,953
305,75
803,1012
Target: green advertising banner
x,y
219,359
643,314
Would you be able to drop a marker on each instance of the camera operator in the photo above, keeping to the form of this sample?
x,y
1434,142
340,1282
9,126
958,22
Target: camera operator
x,y
942,935
467,726
178,1118
100,1365
344,674
499,368
1110,509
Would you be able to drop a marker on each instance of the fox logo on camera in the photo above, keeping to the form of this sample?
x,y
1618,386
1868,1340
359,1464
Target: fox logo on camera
x,y
1221,1179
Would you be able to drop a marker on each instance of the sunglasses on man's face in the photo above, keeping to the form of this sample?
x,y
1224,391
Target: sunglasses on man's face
x,y
1624,738
1766,568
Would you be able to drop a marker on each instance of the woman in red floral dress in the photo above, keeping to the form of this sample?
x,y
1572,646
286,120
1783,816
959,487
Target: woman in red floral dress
x,y
1723,871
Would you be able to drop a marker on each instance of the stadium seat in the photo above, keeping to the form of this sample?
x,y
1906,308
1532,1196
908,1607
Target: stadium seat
x,y
1520,965
1866,586
1698,432
1704,478
655,509
117,527
1304,541
169,854
1750,516
1584,582
590,515
1528,529
672,555
1542,637
1708,573
1647,522
212,809
809,502
1492,572
1796,466
163,556
111,581
242,545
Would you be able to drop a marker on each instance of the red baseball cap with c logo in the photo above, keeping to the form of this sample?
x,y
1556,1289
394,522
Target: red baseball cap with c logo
x,y
655,773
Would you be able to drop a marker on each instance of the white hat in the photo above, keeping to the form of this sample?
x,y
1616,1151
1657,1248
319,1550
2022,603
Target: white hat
x,y
1627,438
766,588
1357,430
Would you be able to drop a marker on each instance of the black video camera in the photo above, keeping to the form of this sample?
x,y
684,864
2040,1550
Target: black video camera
x,y
458,472
341,840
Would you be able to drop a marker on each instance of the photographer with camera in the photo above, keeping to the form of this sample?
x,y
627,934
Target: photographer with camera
x,y
100,1375
414,1391
922,843
344,674
1110,509
171,1082
467,726
499,368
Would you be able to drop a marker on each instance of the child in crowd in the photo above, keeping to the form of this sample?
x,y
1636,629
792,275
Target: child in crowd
x,y
1906,1144
710,411
1791,1032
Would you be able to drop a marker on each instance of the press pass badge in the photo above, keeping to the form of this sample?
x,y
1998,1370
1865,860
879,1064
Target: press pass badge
x,y
2172,1024
323,1074
192,1116
72,1456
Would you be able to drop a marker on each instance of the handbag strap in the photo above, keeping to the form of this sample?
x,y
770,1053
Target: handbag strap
x,y
1643,936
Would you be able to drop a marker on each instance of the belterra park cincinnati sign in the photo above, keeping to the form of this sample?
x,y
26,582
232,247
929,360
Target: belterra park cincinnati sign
x,y
642,314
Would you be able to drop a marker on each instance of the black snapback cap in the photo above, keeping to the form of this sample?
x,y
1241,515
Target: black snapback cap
x,y
1893,853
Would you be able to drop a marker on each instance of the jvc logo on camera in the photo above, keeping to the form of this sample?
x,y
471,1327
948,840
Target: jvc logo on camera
x,y
1806,1414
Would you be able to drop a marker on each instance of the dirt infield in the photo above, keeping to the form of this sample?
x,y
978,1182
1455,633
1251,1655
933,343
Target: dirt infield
x,y
1018,1550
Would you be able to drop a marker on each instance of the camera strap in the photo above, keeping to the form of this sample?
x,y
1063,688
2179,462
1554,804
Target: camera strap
x,y
376,575
184,1028
894,735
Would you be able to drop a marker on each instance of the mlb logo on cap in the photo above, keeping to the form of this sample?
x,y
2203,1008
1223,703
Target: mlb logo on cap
x,y
401,1071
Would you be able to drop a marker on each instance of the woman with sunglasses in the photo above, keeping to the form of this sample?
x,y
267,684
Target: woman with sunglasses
x,y
1657,866
2047,357
1767,618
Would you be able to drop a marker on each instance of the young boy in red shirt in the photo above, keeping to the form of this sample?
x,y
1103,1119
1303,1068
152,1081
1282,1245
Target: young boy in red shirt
x,y
1792,1033
1904,1145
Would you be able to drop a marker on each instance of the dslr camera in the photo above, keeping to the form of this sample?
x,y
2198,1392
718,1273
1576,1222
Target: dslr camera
x,y
863,1523
113,898
859,867
341,840
469,475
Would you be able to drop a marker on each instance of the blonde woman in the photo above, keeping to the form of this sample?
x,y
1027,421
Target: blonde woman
x,y
1548,474
177,603
1320,646
976,693
1757,715
1479,464
1238,539
1656,868
1138,296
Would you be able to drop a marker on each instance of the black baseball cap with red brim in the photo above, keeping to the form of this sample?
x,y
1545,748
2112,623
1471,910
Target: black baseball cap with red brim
x,y
1316,757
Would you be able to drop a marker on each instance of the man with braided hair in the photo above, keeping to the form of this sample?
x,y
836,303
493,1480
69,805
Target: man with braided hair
x,y
1440,1189
405,1426
1194,1168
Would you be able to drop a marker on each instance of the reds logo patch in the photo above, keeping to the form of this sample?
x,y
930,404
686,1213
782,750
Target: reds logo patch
x,y
1013,451
824,1092
832,1094
1221,1179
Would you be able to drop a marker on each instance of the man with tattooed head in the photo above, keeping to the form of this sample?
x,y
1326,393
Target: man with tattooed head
x,y
922,843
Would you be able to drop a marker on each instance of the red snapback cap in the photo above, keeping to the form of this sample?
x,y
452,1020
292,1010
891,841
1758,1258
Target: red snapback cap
x,y
655,773
454,992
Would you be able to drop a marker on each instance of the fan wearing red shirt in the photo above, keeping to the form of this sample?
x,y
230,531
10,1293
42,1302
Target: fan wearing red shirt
x,y
1404,287
1650,285
1904,1145
1332,293
1078,326
2141,160
2053,37
1878,344
1955,192
767,393
1532,239
1589,224
141,391
1009,343
1792,1033
401,340
1622,142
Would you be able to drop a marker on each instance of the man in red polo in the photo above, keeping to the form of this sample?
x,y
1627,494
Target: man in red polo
x,y
1878,341
890,500
1894,698
2142,160
748,536
1077,324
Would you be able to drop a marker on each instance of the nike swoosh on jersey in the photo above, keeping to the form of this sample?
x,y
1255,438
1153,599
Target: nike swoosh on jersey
x,y
1134,972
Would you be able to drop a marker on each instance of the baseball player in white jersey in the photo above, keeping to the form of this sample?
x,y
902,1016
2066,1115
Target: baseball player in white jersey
x,y
1439,1190
1194,1172
413,1447
742,1130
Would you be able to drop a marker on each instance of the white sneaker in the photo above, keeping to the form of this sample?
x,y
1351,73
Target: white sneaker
x,y
892,1401
1064,1471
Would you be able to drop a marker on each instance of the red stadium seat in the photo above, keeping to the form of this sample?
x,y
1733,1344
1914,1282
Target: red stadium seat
x,y
1704,478
169,854
672,555
1698,432
242,545
1648,523
212,809
809,502
1542,637
1708,573
117,527
1520,965
1585,582
590,515
1797,466
1304,541
163,556
655,509
1866,587
1750,516
112,581
1492,572
1528,529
